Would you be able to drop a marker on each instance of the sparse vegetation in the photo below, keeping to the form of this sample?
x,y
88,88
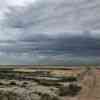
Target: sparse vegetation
x,y
1,83
69,79
49,97
49,83
70,90
65,85
24,84
12,83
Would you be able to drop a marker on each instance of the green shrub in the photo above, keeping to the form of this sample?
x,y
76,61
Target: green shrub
x,y
24,84
74,89
49,97
12,83
1,83
71,90
69,79
48,83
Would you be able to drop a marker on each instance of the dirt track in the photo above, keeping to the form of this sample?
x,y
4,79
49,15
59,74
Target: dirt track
x,y
91,89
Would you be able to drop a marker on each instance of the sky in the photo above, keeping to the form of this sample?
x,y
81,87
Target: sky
x,y
62,32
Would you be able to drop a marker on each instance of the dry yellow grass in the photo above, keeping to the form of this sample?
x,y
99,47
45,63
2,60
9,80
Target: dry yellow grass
x,y
65,72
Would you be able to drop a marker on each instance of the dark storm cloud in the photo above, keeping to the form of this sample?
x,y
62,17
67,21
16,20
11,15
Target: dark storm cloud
x,y
80,46
74,45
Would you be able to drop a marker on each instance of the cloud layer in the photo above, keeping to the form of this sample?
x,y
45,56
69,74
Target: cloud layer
x,y
50,32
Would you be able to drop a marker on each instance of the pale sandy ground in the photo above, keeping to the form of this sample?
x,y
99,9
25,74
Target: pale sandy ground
x,y
91,90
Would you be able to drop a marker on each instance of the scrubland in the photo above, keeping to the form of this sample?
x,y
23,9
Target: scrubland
x,y
25,83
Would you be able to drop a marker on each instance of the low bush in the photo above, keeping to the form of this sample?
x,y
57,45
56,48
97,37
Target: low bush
x,y
71,90
12,83
1,83
69,79
74,89
49,97
24,84
49,83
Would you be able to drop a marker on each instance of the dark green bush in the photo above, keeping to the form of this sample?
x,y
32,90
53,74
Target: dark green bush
x,y
69,79
74,89
24,84
49,97
71,90
12,83
48,83
1,83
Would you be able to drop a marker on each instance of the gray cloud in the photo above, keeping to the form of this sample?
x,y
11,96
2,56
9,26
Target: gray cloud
x,y
57,32
61,45
52,16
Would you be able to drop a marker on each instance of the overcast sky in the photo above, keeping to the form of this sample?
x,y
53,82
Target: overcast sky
x,y
49,32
